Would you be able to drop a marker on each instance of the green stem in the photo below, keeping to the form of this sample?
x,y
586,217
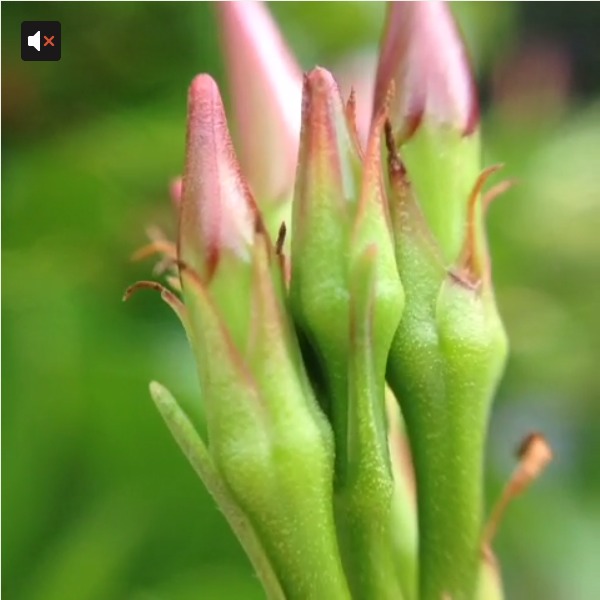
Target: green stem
x,y
447,443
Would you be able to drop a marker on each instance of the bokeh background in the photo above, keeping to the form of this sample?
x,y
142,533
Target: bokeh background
x,y
98,502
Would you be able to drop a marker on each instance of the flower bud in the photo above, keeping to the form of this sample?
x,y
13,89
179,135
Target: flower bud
x,y
266,86
269,444
217,210
339,213
423,55
347,298
434,112
445,362
326,189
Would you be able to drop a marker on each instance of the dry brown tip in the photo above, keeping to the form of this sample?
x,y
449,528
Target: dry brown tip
x,y
497,190
390,144
351,103
350,113
474,267
396,166
155,247
534,454
280,239
150,285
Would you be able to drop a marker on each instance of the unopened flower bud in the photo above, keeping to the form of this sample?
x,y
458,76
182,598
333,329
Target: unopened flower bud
x,y
434,112
423,55
269,454
217,213
347,298
444,365
266,87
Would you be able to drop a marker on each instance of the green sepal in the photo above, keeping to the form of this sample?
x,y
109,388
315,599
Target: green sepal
x,y
231,290
267,438
291,501
364,498
443,164
273,353
196,452
404,502
372,244
324,205
235,418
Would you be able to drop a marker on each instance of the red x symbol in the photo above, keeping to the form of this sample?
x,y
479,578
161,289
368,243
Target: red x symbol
x,y
48,41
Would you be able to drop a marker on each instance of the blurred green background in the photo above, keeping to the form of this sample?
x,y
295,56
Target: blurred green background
x,y
98,501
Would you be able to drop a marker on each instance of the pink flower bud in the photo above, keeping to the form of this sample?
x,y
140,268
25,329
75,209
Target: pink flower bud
x,y
423,55
328,158
217,211
266,90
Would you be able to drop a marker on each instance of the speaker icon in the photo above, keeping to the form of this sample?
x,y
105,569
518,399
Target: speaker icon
x,y
34,41
40,40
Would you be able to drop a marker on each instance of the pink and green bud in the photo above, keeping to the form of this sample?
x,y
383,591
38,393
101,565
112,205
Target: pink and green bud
x,y
347,299
434,112
325,199
266,87
267,436
340,213
444,365
423,55
449,350
217,215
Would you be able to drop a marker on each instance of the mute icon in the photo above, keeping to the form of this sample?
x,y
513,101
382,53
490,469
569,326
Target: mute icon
x,y
40,40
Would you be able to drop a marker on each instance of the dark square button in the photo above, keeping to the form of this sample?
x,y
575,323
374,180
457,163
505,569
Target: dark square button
x,y
40,40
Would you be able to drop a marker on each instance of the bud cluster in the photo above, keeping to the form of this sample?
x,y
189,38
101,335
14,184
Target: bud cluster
x,y
317,281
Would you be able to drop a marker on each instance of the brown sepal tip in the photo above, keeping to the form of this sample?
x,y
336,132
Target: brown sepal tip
x,y
497,190
165,293
350,114
281,234
396,166
534,454
157,246
474,264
